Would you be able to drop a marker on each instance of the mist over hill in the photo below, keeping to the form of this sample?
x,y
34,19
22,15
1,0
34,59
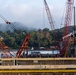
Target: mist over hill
x,y
14,26
38,37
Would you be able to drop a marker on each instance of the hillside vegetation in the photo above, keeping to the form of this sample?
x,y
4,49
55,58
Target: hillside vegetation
x,y
38,38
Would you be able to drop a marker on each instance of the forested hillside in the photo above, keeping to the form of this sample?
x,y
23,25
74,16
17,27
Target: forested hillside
x,y
38,38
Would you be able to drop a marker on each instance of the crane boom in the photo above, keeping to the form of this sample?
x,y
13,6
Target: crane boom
x,y
67,23
23,46
68,16
49,15
50,19
8,22
25,42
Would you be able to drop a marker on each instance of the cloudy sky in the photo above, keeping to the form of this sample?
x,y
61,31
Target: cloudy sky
x,y
32,12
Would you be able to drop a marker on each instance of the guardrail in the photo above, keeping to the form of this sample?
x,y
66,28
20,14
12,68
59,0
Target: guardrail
x,y
38,63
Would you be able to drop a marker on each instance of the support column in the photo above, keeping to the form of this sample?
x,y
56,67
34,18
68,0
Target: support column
x,y
74,33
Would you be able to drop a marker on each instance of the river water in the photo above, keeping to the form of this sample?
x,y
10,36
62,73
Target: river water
x,y
13,52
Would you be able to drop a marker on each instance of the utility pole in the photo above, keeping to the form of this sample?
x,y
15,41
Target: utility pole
x,y
74,33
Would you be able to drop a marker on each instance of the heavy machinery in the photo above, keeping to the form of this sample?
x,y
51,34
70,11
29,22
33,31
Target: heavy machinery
x,y
67,23
70,47
5,51
24,45
51,22
49,15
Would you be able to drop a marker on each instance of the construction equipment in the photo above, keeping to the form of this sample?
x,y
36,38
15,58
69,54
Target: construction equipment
x,y
4,49
68,48
51,22
23,47
8,22
49,15
68,16
67,23
24,44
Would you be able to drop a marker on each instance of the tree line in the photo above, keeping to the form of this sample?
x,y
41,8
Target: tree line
x,y
38,38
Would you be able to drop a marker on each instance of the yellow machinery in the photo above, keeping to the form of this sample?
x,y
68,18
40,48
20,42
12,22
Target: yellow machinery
x,y
37,65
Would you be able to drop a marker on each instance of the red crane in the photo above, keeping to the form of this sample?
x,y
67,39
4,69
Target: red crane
x,y
67,23
24,45
68,16
49,15
55,38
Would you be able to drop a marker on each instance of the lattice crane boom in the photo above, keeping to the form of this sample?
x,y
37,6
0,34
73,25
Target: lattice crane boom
x,y
49,15
68,16
50,19
6,21
67,23
24,46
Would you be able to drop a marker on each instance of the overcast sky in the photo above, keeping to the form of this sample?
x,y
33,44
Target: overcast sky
x,y
31,12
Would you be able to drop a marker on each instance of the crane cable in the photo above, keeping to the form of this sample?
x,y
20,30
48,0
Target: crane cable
x,y
8,22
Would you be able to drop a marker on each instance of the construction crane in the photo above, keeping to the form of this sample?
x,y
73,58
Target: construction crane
x,y
49,15
24,45
67,23
55,38
4,49
68,16
8,22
